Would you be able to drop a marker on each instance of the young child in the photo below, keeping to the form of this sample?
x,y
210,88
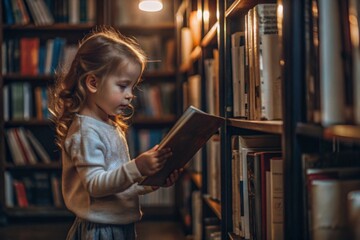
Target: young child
x,y
89,104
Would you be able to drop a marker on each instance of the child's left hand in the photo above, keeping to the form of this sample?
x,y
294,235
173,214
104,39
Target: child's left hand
x,y
171,179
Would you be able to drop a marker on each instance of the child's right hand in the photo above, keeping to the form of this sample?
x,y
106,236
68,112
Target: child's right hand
x,y
152,160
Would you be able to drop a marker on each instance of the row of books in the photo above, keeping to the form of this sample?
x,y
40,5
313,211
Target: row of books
x,y
192,88
22,101
33,190
44,12
332,59
25,148
256,74
155,100
257,187
33,56
331,184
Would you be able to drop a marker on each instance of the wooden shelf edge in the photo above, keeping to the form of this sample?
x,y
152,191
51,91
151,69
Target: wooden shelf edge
x,y
214,205
341,132
210,35
197,179
344,132
242,5
275,127
195,54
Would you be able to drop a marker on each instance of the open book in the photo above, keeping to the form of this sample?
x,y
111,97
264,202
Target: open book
x,y
191,131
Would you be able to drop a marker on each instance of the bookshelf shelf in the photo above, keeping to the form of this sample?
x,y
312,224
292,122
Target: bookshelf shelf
x,y
195,55
344,132
340,132
275,127
197,179
215,206
210,36
240,5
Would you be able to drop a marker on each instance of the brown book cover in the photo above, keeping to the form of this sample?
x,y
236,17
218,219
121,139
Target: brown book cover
x,y
193,129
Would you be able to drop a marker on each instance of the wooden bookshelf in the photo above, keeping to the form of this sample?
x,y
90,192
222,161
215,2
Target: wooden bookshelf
x,y
275,127
298,132
197,179
346,133
214,205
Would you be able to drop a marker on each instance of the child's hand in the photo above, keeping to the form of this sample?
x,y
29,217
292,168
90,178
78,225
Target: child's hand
x,y
173,177
152,160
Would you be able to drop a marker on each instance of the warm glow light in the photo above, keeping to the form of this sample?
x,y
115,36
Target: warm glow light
x,y
206,16
150,5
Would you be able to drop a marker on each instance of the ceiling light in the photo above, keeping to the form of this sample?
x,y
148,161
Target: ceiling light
x,y
150,5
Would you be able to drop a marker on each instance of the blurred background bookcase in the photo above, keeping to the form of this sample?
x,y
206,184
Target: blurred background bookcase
x,y
30,180
67,23
315,133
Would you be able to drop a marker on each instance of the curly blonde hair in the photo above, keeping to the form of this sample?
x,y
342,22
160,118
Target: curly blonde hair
x,y
99,54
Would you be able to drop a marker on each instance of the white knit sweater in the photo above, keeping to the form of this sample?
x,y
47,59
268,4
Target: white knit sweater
x,y
99,181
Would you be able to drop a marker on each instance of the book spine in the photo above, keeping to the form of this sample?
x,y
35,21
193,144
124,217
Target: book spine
x,y
331,68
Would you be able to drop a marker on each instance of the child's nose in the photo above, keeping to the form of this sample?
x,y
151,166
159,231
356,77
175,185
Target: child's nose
x,y
129,95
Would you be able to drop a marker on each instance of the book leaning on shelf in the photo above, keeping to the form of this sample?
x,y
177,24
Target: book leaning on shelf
x,y
192,130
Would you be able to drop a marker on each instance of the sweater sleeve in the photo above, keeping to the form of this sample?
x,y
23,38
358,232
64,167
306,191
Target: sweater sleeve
x,y
88,153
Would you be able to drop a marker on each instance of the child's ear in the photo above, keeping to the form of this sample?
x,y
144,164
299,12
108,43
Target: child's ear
x,y
91,83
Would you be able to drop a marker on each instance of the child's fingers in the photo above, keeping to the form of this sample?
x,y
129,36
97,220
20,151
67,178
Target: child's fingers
x,y
164,151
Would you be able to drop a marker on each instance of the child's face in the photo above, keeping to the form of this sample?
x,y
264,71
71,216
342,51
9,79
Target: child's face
x,y
116,92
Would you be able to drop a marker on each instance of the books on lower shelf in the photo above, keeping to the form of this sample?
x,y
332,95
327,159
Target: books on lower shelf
x,y
25,148
191,132
33,189
257,187
328,179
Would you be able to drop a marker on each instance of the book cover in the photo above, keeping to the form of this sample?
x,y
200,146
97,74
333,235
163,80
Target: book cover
x,y
185,138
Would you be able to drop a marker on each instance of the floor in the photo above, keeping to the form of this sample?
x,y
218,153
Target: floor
x,y
146,230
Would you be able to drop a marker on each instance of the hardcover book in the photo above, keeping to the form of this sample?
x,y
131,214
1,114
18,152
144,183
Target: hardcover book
x,y
192,130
